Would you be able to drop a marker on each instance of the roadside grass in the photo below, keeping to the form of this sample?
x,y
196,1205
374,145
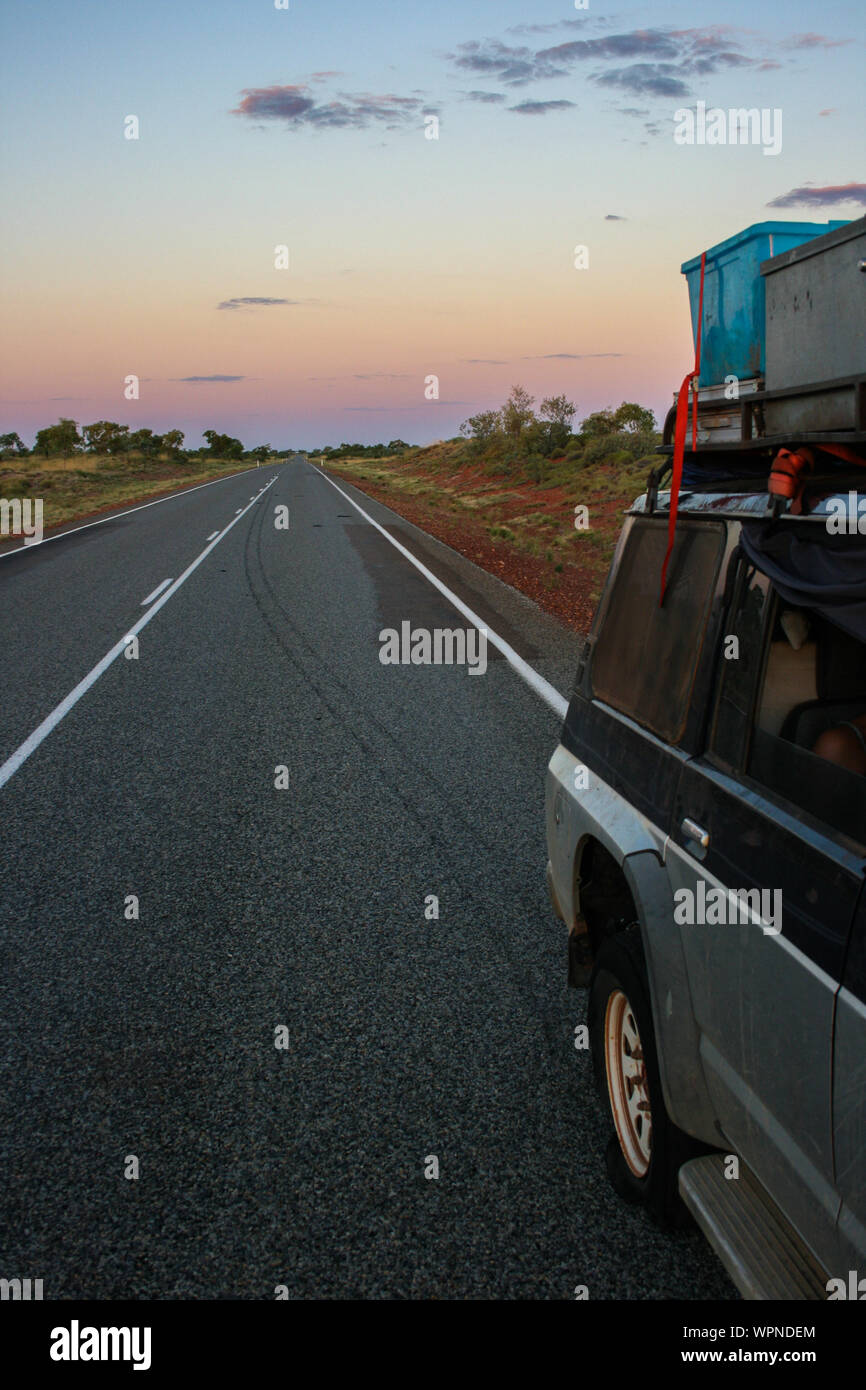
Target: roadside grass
x,y
77,487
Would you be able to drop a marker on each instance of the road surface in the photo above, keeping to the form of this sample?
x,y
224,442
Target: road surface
x,y
299,908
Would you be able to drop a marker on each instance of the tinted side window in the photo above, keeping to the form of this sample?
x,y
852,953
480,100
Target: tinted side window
x,y
792,679
645,656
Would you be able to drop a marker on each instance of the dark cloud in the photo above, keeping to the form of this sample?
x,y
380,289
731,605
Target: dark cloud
x,y
645,79
540,108
250,301
217,377
514,66
276,103
486,361
614,217
485,96
827,197
660,62
296,108
517,66
641,43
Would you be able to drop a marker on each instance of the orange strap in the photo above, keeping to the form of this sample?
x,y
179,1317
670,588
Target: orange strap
x,y
680,434
843,452
788,475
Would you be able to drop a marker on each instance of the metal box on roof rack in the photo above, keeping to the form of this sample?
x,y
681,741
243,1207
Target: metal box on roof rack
x,y
816,331
733,338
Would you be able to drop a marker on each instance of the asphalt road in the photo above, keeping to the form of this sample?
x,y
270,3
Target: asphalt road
x,y
302,907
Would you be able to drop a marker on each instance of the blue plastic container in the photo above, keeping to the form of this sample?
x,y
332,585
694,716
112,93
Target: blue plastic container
x,y
734,336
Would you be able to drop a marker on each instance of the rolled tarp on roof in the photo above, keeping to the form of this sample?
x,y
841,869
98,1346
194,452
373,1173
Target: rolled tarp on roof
x,y
824,572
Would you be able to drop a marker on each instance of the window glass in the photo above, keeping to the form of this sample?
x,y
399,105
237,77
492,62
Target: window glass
x,y
646,656
791,711
742,647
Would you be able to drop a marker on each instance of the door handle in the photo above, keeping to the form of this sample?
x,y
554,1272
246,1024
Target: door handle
x,y
693,831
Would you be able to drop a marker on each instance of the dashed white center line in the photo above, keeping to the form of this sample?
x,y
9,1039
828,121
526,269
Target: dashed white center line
x,y
213,535
29,746
158,590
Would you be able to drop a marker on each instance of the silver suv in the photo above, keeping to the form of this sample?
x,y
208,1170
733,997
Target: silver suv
x,y
706,830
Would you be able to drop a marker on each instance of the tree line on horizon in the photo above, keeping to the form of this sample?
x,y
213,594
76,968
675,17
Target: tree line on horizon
x,y
107,438
515,432
514,437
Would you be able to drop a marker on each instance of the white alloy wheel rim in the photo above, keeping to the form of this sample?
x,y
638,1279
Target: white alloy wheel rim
x,y
627,1083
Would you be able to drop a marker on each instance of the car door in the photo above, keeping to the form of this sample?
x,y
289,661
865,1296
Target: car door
x,y
764,978
849,1099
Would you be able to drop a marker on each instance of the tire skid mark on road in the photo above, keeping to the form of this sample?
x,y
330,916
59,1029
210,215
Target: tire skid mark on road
x,y
536,682
312,666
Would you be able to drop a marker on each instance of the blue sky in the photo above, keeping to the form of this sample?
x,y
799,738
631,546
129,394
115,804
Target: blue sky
x,y
408,257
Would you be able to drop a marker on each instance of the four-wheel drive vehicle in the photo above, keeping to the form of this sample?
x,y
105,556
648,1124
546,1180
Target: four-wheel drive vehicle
x,y
706,826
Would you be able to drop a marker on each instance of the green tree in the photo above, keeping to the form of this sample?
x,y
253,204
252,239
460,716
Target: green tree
x,y
172,440
106,437
12,446
261,452
559,412
517,412
600,422
223,446
633,419
482,428
60,440
146,442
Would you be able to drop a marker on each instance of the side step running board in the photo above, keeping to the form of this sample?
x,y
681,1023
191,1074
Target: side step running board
x,y
759,1248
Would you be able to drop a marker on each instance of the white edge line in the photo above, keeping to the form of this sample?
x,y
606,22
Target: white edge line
x,y
157,591
213,535
548,693
21,754
115,516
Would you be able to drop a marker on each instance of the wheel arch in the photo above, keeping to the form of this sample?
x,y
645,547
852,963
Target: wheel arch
x,y
612,897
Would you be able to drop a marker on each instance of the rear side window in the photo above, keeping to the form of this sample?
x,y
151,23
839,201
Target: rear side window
x,y
790,707
645,656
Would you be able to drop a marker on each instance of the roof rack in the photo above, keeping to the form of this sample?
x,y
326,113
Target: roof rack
x,y
750,505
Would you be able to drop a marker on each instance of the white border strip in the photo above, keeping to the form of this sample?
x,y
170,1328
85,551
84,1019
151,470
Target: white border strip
x,y
542,688
115,516
158,590
20,756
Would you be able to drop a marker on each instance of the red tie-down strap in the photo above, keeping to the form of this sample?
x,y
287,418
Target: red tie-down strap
x,y
842,451
680,434
788,476
791,466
